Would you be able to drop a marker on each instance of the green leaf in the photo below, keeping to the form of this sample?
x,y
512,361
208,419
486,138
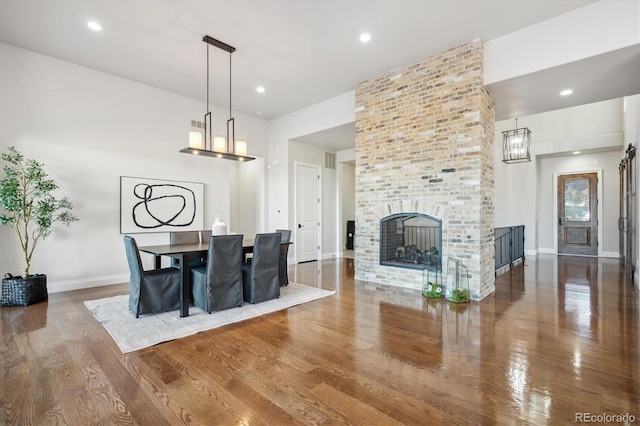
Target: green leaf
x,y
27,201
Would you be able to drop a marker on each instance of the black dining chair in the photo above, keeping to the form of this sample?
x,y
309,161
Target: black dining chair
x,y
218,285
284,254
186,237
153,291
260,277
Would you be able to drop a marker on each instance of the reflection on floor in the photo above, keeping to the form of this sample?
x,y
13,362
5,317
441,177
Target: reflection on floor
x,y
559,337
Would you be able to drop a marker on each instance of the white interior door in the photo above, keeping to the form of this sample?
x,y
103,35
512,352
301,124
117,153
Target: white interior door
x,y
307,212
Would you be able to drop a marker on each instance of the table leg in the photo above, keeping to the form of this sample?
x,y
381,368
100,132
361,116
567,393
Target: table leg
x,y
158,260
184,286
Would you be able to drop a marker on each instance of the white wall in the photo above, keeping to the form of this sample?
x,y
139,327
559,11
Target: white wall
x,y
89,128
324,115
309,154
247,197
596,126
597,28
607,163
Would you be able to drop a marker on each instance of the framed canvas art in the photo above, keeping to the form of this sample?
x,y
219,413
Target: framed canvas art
x,y
154,205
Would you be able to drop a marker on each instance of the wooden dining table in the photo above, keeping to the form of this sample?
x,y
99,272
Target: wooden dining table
x,y
184,253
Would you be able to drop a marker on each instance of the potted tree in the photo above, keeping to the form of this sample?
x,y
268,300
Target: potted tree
x,y
30,209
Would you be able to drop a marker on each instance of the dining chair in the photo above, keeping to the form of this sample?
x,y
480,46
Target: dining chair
x,y
185,237
284,254
260,277
205,235
218,285
153,291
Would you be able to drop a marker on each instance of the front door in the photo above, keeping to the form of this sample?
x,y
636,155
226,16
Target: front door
x,y
578,214
307,212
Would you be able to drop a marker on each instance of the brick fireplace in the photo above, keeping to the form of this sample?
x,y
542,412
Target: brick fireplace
x,y
424,146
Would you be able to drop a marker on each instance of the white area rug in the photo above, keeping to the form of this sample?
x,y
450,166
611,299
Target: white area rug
x,y
132,334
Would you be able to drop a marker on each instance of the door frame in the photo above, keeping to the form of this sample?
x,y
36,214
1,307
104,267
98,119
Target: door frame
x,y
318,206
555,207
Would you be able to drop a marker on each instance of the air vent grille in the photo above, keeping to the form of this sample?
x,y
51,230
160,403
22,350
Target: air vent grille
x,y
329,160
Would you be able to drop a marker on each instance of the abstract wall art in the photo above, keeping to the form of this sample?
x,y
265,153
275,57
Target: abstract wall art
x,y
153,205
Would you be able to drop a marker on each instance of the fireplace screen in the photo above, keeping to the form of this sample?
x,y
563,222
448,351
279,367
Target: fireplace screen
x,y
411,240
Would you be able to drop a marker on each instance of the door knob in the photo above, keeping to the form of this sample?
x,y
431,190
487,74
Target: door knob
x,y
299,226
559,221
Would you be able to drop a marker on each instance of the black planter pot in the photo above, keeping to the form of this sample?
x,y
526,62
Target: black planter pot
x,y
18,291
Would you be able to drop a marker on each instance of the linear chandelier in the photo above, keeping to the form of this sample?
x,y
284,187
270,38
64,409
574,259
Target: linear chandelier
x,y
219,147
516,145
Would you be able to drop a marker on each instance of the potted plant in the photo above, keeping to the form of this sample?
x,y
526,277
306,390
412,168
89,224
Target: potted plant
x,y
28,206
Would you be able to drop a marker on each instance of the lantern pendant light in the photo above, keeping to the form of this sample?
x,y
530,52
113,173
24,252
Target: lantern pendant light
x,y
516,145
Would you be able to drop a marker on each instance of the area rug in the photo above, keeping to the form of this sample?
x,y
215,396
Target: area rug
x,y
132,334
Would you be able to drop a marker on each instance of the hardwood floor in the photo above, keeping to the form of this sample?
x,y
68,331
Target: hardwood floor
x,y
559,337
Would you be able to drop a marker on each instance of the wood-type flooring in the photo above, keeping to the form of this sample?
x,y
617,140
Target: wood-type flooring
x,y
557,342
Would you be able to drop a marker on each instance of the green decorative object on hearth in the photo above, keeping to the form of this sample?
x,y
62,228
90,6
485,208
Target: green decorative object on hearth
x,y
432,291
459,295
456,282
432,279
28,206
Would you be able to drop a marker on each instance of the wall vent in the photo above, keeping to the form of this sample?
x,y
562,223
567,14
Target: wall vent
x,y
329,160
197,124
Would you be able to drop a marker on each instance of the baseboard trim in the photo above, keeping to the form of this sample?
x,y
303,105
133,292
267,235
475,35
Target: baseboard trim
x,y
611,254
331,256
531,252
78,284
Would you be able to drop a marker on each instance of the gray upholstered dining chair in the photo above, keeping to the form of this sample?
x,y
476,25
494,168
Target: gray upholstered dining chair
x,y
260,277
151,291
284,253
185,237
218,285
205,235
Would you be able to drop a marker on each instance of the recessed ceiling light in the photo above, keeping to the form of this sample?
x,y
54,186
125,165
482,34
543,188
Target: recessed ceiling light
x,y
576,152
365,37
260,89
94,26
566,92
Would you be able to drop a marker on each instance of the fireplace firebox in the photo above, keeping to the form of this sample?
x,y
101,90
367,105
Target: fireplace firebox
x,y
411,240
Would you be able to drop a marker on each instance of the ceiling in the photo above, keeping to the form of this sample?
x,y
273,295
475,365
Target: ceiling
x,y
301,52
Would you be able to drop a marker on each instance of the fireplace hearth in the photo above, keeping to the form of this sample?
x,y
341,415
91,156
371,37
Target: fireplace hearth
x,y
411,240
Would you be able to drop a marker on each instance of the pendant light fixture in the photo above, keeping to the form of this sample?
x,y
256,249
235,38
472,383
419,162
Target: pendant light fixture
x,y
217,146
516,145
